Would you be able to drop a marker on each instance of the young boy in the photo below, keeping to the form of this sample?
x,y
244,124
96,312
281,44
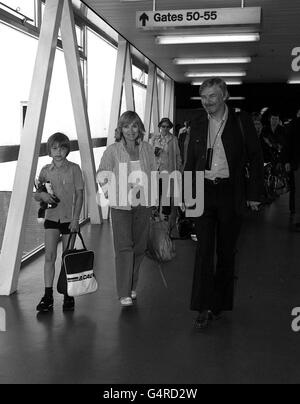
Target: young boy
x,y
67,184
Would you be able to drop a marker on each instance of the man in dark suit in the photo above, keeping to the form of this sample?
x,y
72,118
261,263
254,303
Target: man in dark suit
x,y
294,168
221,145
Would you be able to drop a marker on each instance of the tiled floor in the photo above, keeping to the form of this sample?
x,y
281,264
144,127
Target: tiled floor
x,y
154,341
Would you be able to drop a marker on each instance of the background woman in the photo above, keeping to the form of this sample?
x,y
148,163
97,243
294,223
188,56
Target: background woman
x,y
167,154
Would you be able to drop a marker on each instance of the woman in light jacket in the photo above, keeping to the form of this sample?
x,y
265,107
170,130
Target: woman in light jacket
x,y
126,168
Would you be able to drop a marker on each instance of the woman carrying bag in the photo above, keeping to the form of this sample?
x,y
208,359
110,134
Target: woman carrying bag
x,y
130,221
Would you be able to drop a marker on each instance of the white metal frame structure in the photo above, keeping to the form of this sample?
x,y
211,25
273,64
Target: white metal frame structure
x,y
123,75
58,13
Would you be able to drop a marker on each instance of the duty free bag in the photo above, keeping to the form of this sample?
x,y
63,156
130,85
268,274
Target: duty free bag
x,y
77,277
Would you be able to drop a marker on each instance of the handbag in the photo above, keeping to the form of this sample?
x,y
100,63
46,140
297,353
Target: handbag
x,y
282,185
185,226
77,276
160,246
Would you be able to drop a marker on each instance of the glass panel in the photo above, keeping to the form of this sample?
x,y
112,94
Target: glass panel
x,y
139,75
59,115
24,7
161,92
15,79
140,100
15,85
101,64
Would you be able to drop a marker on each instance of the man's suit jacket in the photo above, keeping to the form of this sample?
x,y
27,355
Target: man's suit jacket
x,y
239,149
294,144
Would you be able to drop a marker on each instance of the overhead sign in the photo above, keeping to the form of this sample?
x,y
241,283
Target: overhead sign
x,y
200,17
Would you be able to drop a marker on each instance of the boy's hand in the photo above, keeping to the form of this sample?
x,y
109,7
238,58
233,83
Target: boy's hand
x,y
74,225
48,198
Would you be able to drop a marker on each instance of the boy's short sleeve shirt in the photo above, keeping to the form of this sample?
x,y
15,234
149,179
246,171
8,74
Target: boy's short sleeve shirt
x,y
65,181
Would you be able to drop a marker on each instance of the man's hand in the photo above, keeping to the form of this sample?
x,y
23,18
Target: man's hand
x,y
287,167
253,205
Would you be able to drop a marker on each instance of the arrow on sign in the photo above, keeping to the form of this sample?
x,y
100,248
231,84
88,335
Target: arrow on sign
x,y
144,17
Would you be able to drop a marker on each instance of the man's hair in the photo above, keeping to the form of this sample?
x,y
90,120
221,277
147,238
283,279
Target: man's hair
x,y
256,116
127,118
215,81
274,112
61,139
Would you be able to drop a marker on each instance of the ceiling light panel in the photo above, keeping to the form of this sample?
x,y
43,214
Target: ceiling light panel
x,y
228,82
218,38
213,74
210,61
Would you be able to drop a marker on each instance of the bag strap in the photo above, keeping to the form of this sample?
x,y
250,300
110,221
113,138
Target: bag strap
x,y
244,140
242,130
70,238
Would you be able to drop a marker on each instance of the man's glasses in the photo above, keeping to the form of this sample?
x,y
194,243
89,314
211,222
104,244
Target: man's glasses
x,y
165,126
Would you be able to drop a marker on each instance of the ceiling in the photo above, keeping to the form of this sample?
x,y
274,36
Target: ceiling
x,y
271,56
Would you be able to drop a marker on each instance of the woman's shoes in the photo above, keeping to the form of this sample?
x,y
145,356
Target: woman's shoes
x,y
126,301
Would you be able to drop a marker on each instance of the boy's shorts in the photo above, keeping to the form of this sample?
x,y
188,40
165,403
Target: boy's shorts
x,y
62,227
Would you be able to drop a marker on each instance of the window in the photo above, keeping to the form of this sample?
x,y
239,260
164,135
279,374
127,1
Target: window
x,y
101,64
140,100
15,79
139,75
27,8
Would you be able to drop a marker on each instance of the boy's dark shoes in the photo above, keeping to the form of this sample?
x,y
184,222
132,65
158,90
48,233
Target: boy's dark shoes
x,y
69,303
45,305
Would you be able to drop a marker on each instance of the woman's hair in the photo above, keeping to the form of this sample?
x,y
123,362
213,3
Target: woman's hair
x,y
61,139
215,81
165,120
127,118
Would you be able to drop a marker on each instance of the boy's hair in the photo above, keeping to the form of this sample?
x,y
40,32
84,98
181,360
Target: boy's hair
x,y
59,138
127,118
215,81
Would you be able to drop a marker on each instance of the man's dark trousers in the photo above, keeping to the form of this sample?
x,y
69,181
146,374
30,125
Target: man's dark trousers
x,y
217,232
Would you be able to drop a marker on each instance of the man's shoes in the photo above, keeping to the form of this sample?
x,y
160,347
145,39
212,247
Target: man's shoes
x,y
296,227
215,314
45,305
203,320
133,295
69,303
